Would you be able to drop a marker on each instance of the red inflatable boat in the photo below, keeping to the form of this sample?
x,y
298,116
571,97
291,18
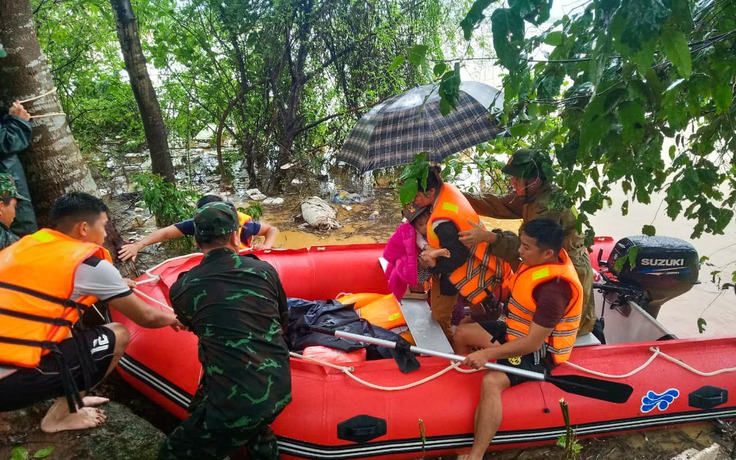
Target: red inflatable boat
x,y
371,410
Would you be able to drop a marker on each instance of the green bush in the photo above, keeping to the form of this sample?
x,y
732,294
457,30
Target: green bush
x,y
169,204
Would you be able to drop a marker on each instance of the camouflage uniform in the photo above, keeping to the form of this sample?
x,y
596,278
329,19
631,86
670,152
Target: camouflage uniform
x,y
236,306
8,190
526,163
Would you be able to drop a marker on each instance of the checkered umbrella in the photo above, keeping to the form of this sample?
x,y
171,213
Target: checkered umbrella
x,y
404,125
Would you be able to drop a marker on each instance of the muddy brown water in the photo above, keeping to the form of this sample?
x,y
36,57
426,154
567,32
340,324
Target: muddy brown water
x,y
374,221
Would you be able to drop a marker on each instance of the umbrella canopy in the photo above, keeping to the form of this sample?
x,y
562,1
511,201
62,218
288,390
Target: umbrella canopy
x,y
409,123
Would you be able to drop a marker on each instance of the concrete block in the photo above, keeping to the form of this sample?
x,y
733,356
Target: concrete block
x,y
709,453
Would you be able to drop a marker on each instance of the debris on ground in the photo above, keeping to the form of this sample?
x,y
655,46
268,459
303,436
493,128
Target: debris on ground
x,y
255,194
709,453
274,201
343,197
319,214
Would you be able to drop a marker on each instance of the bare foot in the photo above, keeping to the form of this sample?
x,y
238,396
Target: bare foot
x,y
84,418
94,401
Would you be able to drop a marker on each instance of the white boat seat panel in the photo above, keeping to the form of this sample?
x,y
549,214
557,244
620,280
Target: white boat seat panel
x,y
586,340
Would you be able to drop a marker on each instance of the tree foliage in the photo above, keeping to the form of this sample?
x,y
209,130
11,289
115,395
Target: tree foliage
x,y
287,79
630,93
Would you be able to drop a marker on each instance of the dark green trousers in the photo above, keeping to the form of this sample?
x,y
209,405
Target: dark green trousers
x,y
191,440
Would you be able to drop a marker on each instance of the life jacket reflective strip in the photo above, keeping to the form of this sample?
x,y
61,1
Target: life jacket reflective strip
x,y
37,276
482,278
483,273
242,220
522,306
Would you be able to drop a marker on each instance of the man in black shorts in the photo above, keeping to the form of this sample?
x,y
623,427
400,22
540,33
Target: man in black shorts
x,y
544,309
46,279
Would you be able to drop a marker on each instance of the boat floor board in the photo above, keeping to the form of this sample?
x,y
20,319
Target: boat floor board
x,y
426,332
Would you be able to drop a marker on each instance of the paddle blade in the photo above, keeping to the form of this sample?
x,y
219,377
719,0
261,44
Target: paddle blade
x,y
605,390
404,357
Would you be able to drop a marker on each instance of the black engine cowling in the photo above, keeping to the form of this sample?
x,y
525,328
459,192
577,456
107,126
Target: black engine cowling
x,y
665,267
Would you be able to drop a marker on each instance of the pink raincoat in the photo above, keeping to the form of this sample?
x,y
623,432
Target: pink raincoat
x,y
401,254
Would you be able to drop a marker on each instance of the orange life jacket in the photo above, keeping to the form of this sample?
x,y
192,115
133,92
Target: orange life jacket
x,y
242,220
483,273
36,283
522,305
383,312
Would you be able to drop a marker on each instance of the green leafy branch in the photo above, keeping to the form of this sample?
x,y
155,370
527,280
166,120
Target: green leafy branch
x,y
415,172
618,79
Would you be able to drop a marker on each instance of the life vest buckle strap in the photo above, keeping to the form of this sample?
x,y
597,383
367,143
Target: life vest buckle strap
x,y
68,303
45,344
37,318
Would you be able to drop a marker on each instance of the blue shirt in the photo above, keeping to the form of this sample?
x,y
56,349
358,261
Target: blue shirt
x,y
249,230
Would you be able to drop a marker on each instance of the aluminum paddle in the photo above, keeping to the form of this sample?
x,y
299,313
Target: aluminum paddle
x,y
604,390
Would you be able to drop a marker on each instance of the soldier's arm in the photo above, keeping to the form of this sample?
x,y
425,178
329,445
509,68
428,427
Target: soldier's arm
x,y
500,207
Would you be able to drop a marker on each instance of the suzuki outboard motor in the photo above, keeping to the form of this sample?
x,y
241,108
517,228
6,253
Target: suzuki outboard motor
x,y
665,268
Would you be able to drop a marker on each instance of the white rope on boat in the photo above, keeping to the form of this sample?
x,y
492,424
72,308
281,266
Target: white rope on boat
x,y
348,370
142,294
656,352
695,371
611,376
153,278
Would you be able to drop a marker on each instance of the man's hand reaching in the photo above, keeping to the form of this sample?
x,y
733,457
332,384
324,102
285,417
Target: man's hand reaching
x,y
476,235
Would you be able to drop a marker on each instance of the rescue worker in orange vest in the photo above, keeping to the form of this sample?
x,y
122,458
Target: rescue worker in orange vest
x,y
532,198
247,230
471,271
544,308
47,279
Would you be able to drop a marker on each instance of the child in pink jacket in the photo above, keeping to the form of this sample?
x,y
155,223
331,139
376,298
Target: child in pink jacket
x,y
408,253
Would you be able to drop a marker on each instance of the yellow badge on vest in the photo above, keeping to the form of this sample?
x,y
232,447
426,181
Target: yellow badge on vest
x,y
450,207
515,361
43,236
541,273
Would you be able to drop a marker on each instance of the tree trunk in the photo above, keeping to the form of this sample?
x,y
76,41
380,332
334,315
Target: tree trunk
x,y
145,95
53,163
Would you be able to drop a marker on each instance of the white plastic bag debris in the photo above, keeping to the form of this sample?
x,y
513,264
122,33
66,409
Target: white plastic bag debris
x,y
255,194
274,201
319,214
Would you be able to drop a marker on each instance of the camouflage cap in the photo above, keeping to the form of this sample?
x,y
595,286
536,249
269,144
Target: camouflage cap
x,y
8,189
215,219
526,163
